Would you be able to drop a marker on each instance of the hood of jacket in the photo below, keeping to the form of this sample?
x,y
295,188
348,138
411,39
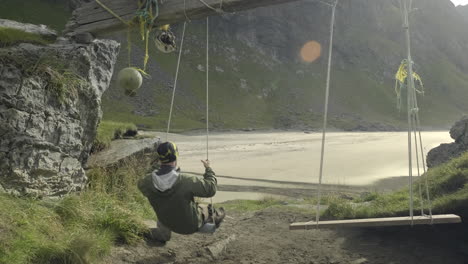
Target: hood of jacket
x,y
165,178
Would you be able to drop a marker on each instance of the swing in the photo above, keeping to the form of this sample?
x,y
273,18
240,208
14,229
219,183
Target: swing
x,y
209,227
413,126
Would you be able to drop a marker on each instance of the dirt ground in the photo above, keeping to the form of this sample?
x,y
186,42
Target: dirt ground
x,y
264,237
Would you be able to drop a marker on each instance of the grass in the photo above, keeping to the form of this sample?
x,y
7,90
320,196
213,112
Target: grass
x,y
252,205
80,228
54,14
10,37
110,130
448,187
61,80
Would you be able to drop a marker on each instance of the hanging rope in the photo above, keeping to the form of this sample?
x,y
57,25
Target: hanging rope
x,y
406,78
128,23
325,117
410,85
146,18
217,10
175,82
207,88
418,129
417,162
185,11
208,104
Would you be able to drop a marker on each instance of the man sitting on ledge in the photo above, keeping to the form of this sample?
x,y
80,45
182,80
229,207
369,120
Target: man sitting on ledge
x,y
172,196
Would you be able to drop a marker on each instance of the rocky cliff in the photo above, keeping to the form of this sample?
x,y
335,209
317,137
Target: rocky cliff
x,y
50,106
446,152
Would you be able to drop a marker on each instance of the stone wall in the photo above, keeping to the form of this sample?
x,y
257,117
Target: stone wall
x,y
46,133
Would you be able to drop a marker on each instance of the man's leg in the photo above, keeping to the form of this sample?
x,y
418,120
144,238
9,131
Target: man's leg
x,y
207,216
205,225
161,233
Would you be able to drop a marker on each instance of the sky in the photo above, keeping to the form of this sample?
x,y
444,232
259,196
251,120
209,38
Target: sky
x,y
460,2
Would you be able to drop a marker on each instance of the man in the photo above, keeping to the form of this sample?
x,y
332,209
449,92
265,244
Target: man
x,y
172,196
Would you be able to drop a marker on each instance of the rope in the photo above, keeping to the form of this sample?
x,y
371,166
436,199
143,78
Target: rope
x,y
144,15
327,93
406,77
185,11
418,128
418,125
217,10
207,87
175,82
417,159
410,86
207,103
113,13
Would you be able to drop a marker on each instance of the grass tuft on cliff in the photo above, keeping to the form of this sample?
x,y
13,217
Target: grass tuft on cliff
x,y
10,37
80,228
448,188
110,130
62,82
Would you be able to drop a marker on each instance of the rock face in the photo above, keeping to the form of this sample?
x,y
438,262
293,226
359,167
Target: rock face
x,y
50,106
445,152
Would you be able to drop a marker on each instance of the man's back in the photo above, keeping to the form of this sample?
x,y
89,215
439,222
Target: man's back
x,y
172,196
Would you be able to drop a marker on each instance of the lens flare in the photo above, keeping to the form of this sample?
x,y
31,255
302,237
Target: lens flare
x,y
311,51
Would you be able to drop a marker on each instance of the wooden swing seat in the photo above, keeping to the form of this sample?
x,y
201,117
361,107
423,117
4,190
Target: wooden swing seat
x,y
377,222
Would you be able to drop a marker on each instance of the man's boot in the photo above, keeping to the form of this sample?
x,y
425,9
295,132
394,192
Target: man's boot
x,y
217,216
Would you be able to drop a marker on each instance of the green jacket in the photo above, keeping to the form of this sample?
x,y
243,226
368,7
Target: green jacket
x,y
171,195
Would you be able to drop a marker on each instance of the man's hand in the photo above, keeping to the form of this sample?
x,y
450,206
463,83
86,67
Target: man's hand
x,y
206,163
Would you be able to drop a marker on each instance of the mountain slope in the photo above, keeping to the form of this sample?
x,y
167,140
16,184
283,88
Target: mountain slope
x,y
259,80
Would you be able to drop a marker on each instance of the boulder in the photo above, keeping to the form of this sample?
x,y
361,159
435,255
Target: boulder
x,y
446,152
459,131
50,107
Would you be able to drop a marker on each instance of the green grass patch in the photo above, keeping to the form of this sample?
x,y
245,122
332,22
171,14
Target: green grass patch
x,y
80,228
11,36
63,83
448,188
110,130
54,14
252,205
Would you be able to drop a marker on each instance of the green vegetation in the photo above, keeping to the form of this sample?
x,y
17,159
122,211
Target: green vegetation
x,y
448,187
108,131
252,205
54,14
80,228
10,36
279,95
62,81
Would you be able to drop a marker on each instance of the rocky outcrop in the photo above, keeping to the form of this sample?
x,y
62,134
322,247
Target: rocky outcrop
x,y
50,106
446,152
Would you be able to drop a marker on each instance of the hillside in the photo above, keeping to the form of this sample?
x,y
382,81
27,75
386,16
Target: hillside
x,y
258,79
